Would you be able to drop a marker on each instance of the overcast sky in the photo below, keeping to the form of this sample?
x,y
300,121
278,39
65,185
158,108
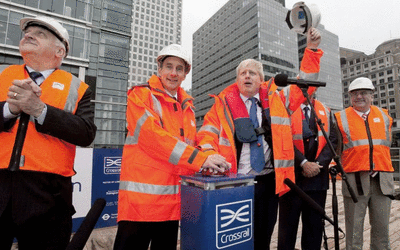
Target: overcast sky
x,y
360,24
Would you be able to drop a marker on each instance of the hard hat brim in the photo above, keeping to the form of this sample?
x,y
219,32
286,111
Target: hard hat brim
x,y
31,21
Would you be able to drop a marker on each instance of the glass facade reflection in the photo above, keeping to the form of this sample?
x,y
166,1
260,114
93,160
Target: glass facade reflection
x,y
331,95
156,24
100,33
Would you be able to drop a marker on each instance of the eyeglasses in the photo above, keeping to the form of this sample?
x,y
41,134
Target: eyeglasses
x,y
360,92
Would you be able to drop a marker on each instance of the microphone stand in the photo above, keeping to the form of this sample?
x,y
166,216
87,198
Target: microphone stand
x,y
333,171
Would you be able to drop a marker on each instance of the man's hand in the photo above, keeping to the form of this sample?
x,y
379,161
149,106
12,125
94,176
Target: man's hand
x,y
216,163
23,96
311,169
313,38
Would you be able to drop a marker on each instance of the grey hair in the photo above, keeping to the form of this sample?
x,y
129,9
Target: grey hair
x,y
251,63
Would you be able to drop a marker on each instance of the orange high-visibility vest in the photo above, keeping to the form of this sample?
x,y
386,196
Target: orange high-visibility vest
x,y
43,152
159,148
356,147
217,132
323,113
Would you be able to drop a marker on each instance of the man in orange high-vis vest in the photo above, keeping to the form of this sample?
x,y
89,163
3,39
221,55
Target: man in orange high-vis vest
x,y
249,124
312,158
36,200
159,148
366,133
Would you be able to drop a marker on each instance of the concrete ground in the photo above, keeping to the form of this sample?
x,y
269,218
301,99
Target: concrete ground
x,y
103,239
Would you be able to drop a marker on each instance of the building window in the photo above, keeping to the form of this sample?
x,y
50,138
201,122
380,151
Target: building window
x,y
389,71
383,94
380,60
373,76
382,87
390,85
392,100
383,101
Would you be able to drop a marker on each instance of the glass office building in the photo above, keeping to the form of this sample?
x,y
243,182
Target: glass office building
x,y
382,67
331,95
156,24
100,33
241,29
256,29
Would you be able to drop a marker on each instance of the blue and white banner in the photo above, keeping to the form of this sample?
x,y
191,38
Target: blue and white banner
x,y
97,177
234,223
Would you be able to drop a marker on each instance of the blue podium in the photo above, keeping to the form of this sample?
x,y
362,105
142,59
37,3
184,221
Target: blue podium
x,y
217,212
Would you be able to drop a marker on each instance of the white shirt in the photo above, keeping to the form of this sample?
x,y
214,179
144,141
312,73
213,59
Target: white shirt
x,y
244,162
302,106
361,113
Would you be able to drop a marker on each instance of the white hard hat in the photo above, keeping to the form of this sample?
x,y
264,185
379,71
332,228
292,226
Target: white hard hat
x,y
178,51
302,17
50,24
361,83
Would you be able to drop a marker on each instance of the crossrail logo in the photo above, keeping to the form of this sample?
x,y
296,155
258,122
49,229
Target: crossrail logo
x,y
234,223
112,165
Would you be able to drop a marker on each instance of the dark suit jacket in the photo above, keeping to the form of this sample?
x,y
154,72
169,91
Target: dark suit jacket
x,y
320,181
33,193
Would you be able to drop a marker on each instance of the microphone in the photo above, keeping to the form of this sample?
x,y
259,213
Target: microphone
x,y
282,80
309,200
81,236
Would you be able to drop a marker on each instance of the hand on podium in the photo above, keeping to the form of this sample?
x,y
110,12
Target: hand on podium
x,y
215,165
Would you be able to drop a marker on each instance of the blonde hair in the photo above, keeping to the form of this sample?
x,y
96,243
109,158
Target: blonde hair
x,y
251,63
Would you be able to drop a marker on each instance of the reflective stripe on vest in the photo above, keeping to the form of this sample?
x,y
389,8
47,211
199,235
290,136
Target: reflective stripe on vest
x,y
224,142
308,76
184,103
297,137
355,143
210,128
177,152
323,114
207,146
280,120
148,188
189,141
72,95
134,139
157,106
283,163
286,93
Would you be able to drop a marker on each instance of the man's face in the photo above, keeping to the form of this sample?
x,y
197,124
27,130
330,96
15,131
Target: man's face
x,y
172,73
249,81
38,41
361,99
